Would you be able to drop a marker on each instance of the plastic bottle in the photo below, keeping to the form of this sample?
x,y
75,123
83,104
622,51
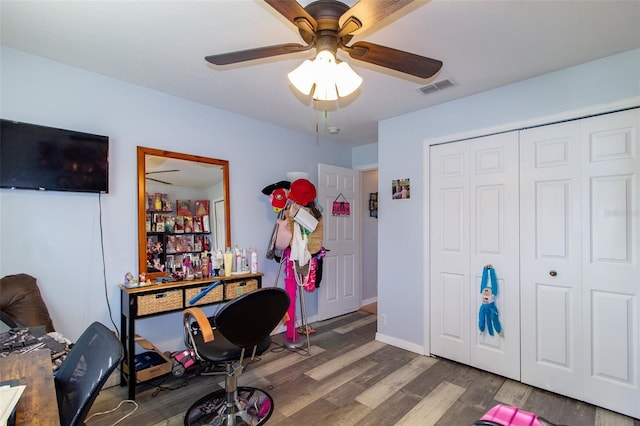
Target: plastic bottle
x,y
245,260
228,262
254,261
238,264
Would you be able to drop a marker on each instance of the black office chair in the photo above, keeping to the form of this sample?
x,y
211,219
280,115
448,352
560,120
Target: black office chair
x,y
87,367
245,323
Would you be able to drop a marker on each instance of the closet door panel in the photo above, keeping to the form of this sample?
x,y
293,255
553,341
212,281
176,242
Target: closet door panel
x,y
449,242
611,260
550,218
494,227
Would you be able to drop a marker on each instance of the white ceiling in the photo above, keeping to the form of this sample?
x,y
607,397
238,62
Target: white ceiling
x,y
162,44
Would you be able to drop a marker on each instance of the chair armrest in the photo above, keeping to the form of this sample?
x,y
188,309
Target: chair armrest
x,y
201,319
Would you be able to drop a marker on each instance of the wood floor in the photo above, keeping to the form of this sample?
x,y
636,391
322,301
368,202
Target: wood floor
x,y
351,379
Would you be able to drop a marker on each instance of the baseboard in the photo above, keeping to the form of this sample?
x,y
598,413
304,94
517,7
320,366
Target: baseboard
x,y
113,380
369,301
402,344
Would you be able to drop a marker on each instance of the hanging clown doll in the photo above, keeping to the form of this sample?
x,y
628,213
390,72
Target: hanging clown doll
x,y
488,316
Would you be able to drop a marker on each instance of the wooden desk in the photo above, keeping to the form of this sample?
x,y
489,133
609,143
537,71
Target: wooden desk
x,y
38,404
160,299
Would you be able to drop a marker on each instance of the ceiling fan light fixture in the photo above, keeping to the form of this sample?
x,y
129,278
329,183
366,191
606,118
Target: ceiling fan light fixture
x,y
347,80
302,77
329,77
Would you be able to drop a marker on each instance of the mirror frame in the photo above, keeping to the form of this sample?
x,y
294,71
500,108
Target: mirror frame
x,y
142,187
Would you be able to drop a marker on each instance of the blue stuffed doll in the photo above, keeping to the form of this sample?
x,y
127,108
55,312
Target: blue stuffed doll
x,y
488,315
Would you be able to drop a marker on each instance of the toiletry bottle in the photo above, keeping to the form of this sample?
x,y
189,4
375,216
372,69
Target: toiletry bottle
x,y
245,260
228,262
254,261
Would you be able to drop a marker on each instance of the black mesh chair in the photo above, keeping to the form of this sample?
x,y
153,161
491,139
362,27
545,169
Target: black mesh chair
x,y
243,324
85,370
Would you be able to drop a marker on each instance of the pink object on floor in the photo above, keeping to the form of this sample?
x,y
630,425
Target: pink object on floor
x,y
511,416
264,408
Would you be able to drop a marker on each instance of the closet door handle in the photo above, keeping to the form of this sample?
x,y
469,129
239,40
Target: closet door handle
x,y
553,273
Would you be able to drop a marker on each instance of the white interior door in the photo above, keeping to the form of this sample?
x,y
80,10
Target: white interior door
x,y
551,263
474,222
611,260
340,290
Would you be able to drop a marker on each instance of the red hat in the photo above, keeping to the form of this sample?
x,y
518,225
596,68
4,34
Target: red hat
x,y
302,192
278,199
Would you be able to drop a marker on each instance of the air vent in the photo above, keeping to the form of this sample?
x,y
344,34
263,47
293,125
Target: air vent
x,y
437,86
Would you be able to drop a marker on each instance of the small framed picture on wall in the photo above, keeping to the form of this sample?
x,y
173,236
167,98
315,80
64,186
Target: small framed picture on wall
x,y
401,189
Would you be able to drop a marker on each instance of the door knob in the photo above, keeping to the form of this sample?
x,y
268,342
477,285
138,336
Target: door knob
x,y
553,273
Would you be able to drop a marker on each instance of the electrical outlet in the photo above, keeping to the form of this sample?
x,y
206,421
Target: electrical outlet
x,y
383,319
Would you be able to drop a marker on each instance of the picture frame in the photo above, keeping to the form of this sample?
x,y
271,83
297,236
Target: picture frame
x,y
401,189
373,204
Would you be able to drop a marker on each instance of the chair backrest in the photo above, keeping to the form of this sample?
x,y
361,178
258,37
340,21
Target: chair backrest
x,y
87,367
249,319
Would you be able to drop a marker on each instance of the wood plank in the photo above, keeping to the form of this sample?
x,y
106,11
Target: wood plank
x,y
271,365
559,409
317,391
338,363
433,406
513,393
356,324
376,395
609,418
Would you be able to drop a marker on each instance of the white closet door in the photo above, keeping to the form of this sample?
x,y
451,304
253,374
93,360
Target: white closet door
x,y
580,265
551,264
494,229
611,260
474,222
449,234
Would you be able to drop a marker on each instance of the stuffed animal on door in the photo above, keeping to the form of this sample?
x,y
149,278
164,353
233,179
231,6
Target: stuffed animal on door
x,y
488,316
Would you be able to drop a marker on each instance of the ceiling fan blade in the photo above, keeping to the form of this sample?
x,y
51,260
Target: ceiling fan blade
x,y
295,13
408,63
365,13
257,53
160,181
161,171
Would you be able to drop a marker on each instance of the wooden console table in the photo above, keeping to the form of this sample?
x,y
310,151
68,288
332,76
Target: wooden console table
x,y
38,405
163,298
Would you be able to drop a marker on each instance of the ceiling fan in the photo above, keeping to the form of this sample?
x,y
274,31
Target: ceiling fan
x,y
330,25
160,171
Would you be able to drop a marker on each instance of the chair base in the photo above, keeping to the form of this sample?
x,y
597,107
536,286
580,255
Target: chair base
x,y
255,405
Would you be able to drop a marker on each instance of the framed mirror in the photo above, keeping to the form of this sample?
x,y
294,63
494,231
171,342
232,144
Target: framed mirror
x,y
183,212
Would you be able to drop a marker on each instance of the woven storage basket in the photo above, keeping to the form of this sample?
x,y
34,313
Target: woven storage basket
x,y
160,302
215,295
238,288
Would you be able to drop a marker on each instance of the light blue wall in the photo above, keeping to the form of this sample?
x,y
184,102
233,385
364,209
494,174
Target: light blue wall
x,y
365,157
56,236
401,273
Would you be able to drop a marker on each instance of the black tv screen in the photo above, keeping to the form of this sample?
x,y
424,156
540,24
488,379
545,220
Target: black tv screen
x,y
46,158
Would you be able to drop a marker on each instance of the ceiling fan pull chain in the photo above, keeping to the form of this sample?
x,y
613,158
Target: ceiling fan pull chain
x,y
315,101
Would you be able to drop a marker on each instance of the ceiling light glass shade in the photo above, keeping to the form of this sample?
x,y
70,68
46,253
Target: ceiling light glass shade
x,y
302,77
347,80
330,78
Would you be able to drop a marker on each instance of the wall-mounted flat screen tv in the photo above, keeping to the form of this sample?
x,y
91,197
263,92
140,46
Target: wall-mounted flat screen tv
x,y
50,159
